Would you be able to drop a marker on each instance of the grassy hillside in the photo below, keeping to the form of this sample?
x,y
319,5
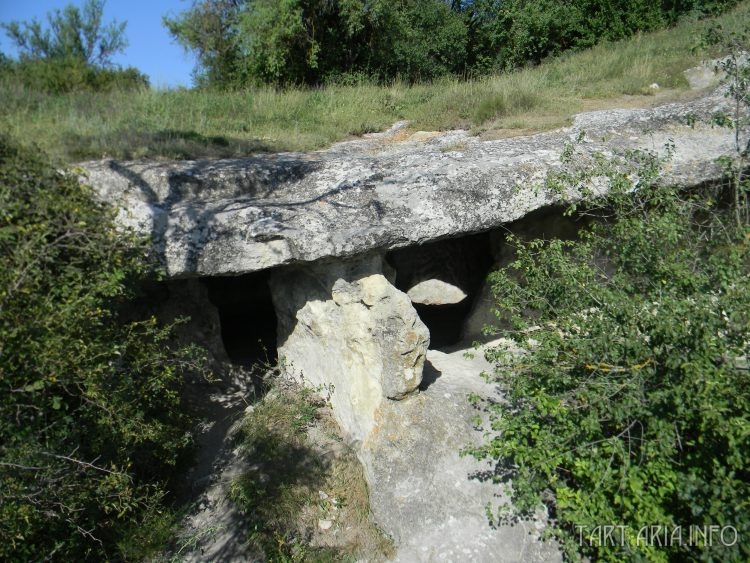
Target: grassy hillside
x,y
188,124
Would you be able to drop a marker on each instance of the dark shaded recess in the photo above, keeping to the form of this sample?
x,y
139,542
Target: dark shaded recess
x,y
444,322
462,261
548,223
247,315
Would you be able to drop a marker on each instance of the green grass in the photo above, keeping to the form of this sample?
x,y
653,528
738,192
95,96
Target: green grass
x,y
281,493
190,124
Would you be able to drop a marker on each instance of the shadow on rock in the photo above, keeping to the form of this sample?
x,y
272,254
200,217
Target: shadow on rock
x,y
430,375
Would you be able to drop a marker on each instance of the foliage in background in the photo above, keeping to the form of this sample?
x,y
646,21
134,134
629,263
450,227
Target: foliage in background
x,y
72,53
207,123
629,404
295,42
209,29
519,32
70,34
63,76
292,42
90,418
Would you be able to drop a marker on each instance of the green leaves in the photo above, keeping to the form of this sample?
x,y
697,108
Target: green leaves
x,y
630,404
90,418
293,42
72,35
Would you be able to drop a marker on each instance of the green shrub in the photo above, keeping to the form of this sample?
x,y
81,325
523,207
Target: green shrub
x,y
90,421
295,42
630,403
61,76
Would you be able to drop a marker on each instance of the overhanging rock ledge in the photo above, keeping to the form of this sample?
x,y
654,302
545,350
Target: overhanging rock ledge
x,y
226,217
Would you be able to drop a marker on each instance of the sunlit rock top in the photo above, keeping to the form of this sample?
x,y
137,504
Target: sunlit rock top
x,y
386,190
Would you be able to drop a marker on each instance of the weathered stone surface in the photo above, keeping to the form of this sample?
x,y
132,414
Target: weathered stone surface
x,y
343,325
436,292
234,216
431,500
701,76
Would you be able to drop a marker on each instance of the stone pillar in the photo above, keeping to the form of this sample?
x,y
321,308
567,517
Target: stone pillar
x,y
342,325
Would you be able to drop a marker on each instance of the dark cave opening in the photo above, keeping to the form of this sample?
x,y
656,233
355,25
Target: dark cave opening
x,y
462,263
445,322
247,316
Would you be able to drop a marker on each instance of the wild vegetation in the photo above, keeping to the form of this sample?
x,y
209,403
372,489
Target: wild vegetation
x,y
628,406
90,418
631,403
312,42
305,497
72,54
198,123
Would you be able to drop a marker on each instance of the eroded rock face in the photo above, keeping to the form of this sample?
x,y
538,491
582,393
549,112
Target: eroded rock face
x,y
236,216
342,325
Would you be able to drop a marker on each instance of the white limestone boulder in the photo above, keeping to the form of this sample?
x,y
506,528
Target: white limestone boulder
x,y
344,328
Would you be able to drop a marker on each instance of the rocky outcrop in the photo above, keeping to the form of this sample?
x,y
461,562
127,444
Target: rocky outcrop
x,y
234,216
344,327
347,322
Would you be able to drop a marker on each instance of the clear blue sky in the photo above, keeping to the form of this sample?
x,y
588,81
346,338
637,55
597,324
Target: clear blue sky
x,y
150,48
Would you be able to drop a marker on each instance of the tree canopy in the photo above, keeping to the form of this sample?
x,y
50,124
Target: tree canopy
x,y
72,53
244,42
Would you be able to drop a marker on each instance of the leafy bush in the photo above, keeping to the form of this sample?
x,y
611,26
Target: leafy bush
x,y
60,76
293,42
90,421
629,405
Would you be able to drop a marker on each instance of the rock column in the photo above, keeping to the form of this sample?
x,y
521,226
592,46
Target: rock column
x,y
343,326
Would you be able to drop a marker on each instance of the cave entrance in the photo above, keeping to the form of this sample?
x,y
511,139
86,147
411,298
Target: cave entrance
x,y
247,316
443,279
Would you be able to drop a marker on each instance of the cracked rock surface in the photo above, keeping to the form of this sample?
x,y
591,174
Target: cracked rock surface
x,y
215,217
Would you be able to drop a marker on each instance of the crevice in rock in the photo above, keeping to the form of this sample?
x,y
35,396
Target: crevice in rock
x,y
247,317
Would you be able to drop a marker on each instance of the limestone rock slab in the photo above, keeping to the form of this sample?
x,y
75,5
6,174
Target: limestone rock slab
x,y
217,217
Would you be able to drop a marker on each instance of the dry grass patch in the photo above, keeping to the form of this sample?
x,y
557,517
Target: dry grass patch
x,y
305,495
199,123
